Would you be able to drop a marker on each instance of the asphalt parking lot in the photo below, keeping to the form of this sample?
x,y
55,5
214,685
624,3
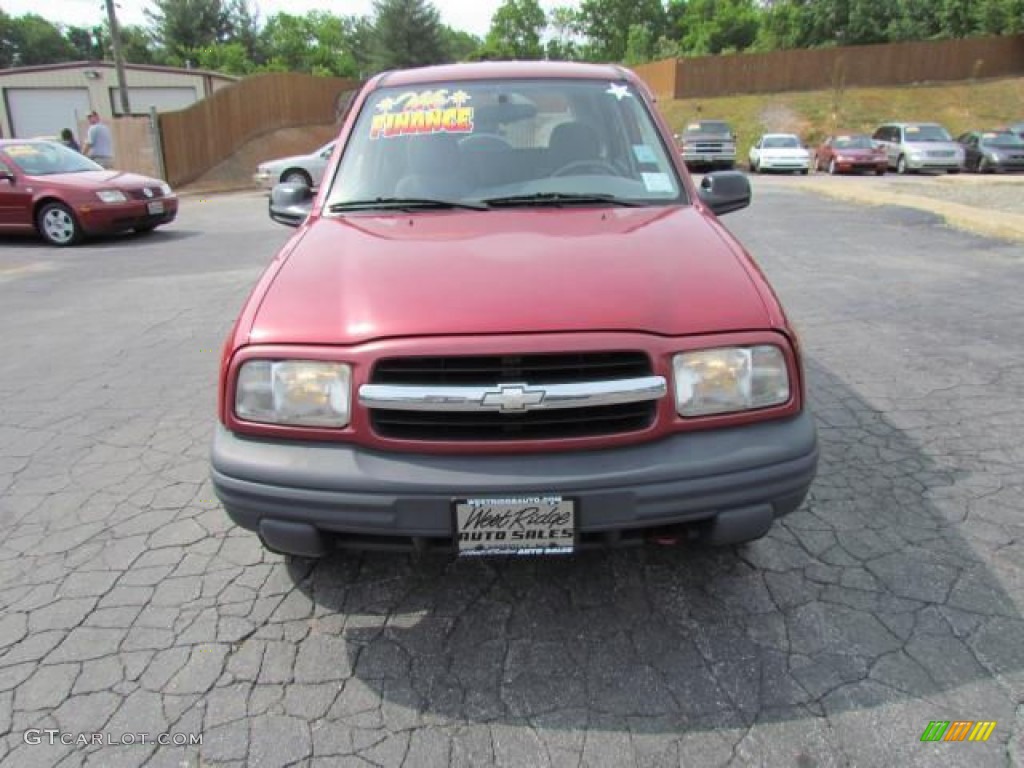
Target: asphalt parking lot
x,y
893,598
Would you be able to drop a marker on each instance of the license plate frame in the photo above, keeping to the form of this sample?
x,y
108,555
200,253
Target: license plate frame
x,y
527,525
155,207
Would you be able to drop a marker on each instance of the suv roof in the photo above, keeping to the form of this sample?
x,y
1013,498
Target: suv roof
x,y
485,70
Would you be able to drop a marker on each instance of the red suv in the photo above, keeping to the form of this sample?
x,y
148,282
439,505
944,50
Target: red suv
x,y
509,323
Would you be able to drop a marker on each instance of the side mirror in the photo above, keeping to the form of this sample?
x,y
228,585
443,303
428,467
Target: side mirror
x,y
6,175
290,203
725,191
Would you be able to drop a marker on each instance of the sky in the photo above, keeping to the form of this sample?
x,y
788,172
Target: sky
x,y
469,15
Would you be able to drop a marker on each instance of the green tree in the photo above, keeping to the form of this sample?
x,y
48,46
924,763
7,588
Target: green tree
x,y
784,25
516,30
31,39
999,17
8,41
319,43
407,33
606,25
242,25
713,26
229,58
184,27
87,43
639,46
564,33
137,46
460,45
958,18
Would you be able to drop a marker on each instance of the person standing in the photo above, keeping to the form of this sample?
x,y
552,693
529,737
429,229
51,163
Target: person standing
x,y
68,140
98,146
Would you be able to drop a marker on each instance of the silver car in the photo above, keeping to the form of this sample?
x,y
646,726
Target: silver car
x,y
305,169
912,147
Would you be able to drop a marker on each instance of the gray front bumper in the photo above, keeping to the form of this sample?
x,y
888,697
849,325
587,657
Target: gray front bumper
x,y
347,489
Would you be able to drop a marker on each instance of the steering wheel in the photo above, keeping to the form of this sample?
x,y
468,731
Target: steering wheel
x,y
594,165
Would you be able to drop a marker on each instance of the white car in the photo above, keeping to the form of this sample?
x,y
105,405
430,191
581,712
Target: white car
x,y
779,152
305,169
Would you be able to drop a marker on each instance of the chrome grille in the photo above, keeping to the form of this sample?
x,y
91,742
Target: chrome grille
x,y
489,371
495,369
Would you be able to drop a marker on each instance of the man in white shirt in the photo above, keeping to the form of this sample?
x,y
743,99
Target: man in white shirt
x,y
98,146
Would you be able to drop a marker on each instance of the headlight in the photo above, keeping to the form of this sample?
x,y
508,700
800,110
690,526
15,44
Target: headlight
x,y
111,195
300,392
730,379
165,189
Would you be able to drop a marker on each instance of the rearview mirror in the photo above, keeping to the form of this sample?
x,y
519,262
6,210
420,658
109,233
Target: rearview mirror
x,y
290,203
725,191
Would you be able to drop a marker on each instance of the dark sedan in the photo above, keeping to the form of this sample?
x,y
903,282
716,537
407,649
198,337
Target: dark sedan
x,y
992,151
63,196
846,152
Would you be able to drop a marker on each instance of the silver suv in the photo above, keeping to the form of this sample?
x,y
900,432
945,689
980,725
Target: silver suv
x,y
708,144
919,147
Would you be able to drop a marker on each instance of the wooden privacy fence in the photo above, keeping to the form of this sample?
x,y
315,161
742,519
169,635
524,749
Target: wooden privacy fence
x,y
822,68
197,138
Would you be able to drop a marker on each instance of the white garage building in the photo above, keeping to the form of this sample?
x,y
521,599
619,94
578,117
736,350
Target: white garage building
x,y
40,101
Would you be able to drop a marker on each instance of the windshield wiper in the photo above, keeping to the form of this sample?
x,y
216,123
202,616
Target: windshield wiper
x,y
557,199
402,203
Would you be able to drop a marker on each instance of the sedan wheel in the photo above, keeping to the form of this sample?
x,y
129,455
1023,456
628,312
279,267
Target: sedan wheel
x,y
901,165
832,167
57,224
983,165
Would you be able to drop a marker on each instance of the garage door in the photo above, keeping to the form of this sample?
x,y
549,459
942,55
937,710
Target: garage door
x,y
45,111
164,99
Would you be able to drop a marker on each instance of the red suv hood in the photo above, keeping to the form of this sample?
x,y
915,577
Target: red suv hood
x,y
657,270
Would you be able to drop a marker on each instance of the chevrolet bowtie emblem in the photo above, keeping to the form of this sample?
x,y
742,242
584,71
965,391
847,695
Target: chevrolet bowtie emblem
x,y
513,398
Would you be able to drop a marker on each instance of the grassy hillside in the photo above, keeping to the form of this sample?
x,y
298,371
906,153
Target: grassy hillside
x,y
815,114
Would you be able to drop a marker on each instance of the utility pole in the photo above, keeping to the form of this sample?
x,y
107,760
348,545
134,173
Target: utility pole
x,y
115,42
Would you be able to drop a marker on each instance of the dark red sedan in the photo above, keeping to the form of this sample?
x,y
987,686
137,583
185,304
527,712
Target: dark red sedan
x,y
64,196
847,152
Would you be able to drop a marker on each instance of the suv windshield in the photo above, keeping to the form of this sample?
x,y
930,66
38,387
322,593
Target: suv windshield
x,y
926,133
713,127
543,142
44,158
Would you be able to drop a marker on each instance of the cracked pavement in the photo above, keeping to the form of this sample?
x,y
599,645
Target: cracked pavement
x,y
892,598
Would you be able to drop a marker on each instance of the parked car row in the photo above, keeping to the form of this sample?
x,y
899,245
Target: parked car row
x,y
902,147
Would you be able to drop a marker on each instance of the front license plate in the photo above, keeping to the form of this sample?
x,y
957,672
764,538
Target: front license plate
x,y
157,206
519,525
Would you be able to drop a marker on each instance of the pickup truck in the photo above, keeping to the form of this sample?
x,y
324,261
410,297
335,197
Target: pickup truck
x,y
510,323
708,144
